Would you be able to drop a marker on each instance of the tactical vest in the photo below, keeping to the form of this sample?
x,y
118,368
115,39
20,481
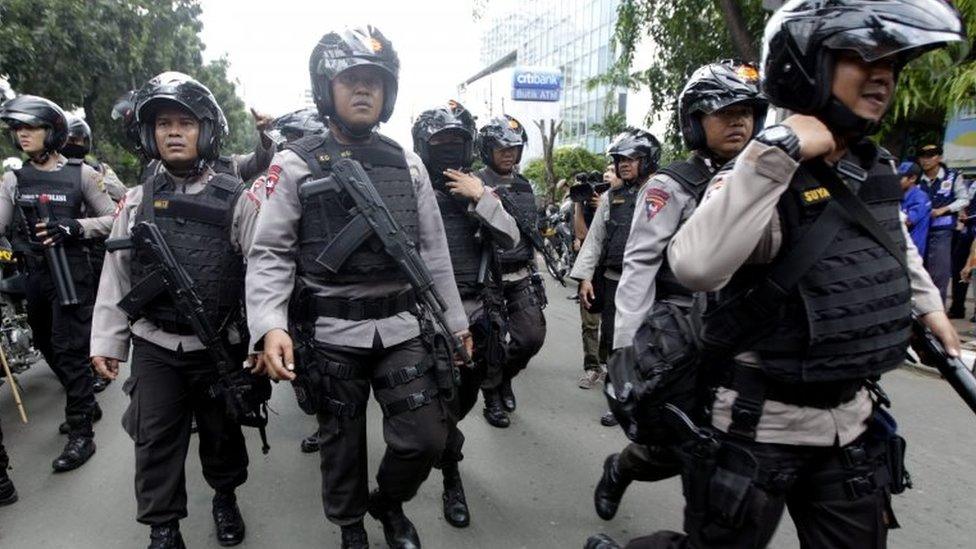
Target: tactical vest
x,y
942,193
197,228
524,198
693,175
63,186
462,242
621,203
325,214
849,317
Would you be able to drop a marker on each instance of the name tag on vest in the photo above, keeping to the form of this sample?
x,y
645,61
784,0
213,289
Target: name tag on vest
x,y
161,204
814,196
619,200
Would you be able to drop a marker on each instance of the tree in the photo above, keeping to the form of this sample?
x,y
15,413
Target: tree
x,y
548,143
566,163
86,54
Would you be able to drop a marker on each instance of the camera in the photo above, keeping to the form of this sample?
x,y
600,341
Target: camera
x,y
586,185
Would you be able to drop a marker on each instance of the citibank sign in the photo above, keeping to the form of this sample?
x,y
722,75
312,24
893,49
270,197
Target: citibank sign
x,y
536,84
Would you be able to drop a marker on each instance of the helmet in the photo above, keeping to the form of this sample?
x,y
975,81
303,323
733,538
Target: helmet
x,y
635,143
453,118
501,132
797,58
335,53
298,124
37,112
124,109
176,87
78,128
712,88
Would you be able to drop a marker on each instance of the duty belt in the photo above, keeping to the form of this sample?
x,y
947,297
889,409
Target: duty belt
x,y
360,309
509,268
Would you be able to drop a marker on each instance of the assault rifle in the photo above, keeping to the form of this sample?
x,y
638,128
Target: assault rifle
x,y
372,218
531,232
953,369
243,399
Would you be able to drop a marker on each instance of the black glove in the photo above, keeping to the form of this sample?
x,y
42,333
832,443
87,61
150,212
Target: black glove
x,y
61,230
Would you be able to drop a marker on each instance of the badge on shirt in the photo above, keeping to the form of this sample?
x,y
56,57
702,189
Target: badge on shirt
x,y
654,201
946,185
816,195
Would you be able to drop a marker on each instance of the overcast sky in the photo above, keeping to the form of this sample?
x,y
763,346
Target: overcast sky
x,y
268,44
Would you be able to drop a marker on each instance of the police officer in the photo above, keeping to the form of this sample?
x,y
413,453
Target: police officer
x,y
950,196
817,279
207,218
356,327
474,221
500,143
635,154
80,210
720,109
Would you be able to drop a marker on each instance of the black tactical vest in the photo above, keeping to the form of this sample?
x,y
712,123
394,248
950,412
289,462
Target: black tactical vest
x,y
63,186
197,227
621,202
325,214
849,317
462,242
522,195
693,175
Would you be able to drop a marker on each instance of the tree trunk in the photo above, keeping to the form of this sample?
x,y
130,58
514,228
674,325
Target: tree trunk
x,y
548,144
742,39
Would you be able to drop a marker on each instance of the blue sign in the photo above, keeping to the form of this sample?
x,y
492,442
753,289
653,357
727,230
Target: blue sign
x,y
536,84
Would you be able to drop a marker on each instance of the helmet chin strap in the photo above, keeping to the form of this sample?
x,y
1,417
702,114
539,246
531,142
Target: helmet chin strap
x,y
842,120
356,135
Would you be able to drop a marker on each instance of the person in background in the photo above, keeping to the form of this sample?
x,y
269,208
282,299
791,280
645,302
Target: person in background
x,y
916,205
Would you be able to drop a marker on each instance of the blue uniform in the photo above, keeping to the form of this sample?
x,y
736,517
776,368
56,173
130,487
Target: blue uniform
x,y
918,208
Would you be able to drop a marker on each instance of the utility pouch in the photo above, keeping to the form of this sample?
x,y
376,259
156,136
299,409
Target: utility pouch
x,y
307,380
447,375
884,427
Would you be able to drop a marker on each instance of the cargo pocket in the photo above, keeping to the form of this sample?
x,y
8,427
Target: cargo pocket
x,y
130,418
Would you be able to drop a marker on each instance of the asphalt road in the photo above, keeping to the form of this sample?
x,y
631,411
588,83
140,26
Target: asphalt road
x,y
529,486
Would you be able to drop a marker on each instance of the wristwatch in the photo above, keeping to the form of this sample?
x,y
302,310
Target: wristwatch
x,y
783,137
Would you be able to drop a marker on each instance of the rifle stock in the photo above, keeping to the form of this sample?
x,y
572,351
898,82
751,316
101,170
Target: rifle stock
x,y
531,233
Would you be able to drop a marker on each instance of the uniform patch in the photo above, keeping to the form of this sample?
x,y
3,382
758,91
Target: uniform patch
x,y
654,201
161,204
258,184
100,183
816,195
119,206
946,185
253,198
274,172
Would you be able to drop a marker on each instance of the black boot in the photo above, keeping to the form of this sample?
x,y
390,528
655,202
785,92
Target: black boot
x,y
610,489
397,528
311,444
100,383
8,494
601,541
227,519
508,397
64,428
166,536
77,451
455,506
354,536
495,414
608,419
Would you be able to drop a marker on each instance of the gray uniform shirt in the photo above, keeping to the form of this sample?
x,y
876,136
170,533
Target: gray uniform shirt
x,y
737,223
662,206
504,234
113,185
97,205
493,179
110,325
271,268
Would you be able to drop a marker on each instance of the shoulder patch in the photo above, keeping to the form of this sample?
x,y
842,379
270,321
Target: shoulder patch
x,y
655,199
253,198
119,206
274,173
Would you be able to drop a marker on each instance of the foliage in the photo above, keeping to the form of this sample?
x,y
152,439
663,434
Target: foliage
x,y
567,162
86,53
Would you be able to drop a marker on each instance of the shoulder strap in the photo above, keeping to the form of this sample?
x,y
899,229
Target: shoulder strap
x,y
692,176
75,162
306,148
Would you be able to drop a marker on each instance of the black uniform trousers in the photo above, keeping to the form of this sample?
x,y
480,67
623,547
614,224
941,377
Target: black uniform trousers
x,y
465,395
608,313
4,458
62,335
166,389
526,329
414,438
648,463
811,482
962,241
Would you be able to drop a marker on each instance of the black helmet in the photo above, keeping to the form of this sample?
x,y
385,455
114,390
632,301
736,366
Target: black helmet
x,y
797,59
636,143
453,118
501,132
176,87
712,88
37,112
298,124
124,109
337,52
77,128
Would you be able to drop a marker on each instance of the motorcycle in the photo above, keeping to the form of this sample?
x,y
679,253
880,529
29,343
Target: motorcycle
x,y
15,333
557,233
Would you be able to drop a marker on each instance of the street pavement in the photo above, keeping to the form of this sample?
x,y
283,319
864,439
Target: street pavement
x,y
528,486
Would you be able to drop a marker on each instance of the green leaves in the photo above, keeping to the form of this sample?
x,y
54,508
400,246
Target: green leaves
x,y
567,162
